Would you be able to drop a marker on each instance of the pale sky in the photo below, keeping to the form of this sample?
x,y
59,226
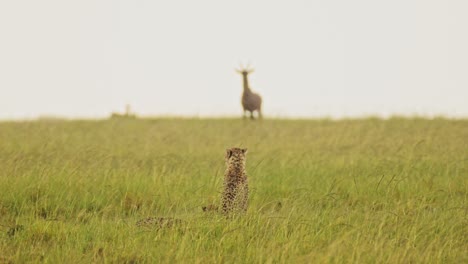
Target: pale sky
x,y
329,58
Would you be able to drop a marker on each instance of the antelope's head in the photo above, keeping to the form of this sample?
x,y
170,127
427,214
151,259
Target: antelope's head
x,y
245,70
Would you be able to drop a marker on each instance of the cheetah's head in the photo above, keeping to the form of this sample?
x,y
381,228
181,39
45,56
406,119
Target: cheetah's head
x,y
235,155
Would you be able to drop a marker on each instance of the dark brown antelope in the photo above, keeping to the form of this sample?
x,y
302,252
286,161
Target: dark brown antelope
x,y
250,101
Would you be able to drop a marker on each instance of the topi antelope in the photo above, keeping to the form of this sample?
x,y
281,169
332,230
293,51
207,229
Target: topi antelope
x,y
250,101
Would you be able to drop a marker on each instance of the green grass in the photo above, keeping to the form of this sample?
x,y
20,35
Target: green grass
x,y
361,191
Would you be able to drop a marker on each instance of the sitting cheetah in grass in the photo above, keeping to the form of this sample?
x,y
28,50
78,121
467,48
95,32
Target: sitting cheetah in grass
x,y
235,194
236,191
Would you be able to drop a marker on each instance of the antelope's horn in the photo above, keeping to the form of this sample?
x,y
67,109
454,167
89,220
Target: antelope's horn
x,y
249,65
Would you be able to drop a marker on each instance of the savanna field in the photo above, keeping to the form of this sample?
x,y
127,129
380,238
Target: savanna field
x,y
322,191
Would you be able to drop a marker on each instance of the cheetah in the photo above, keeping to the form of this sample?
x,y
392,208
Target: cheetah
x,y
236,191
159,222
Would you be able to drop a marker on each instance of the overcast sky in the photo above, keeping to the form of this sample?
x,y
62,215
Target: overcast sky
x,y
312,58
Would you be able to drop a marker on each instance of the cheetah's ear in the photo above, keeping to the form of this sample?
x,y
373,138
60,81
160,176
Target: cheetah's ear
x,y
244,151
228,153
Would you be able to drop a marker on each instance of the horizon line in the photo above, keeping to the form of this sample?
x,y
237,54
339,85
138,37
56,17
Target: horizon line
x,y
207,117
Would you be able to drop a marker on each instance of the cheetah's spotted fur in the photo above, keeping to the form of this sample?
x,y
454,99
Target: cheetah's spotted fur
x,y
236,191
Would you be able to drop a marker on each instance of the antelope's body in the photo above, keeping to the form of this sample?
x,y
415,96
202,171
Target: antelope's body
x,y
251,101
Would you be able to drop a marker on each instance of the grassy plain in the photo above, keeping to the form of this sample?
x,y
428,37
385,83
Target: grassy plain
x,y
322,191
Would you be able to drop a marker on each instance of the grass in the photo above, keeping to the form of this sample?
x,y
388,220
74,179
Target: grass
x,y
349,191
